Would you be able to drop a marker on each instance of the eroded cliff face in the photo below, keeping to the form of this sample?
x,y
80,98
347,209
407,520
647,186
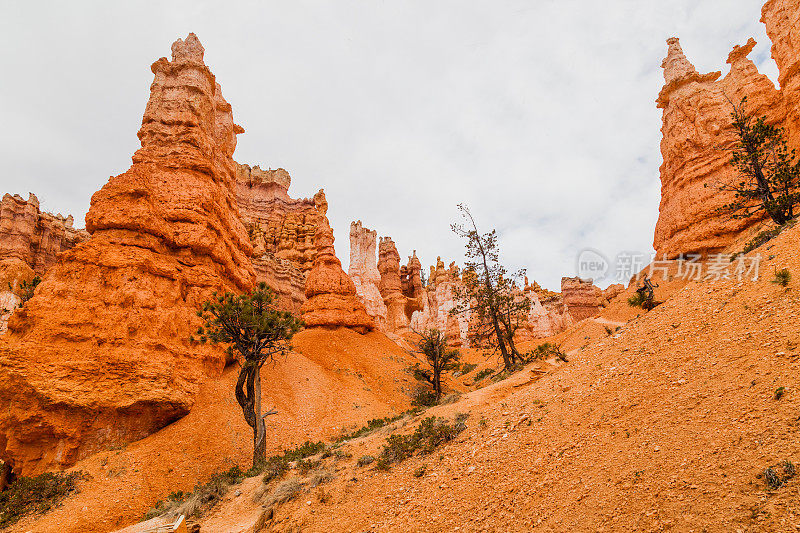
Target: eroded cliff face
x,y
408,306
548,315
696,131
281,230
277,223
782,21
439,298
101,354
33,236
581,297
391,287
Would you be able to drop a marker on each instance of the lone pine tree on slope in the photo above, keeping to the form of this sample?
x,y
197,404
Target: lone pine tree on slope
x,y
255,332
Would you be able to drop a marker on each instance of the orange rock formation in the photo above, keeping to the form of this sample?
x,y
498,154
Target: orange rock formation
x,y
281,230
364,272
13,272
782,21
331,294
439,298
33,236
391,287
548,314
278,224
696,129
100,355
580,297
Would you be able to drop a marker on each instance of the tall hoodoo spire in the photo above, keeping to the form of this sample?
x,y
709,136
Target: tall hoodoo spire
x,y
111,320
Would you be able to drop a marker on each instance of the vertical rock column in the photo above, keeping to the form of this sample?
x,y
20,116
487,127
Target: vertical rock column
x,y
364,272
101,354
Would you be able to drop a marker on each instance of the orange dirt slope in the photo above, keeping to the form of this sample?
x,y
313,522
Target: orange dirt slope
x,y
666,425
333,379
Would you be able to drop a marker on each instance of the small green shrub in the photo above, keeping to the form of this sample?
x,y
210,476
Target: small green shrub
x,y
773,479
466,368
430,433
371,425
782,277
274,468
365,460
424,398
546,350
207,494
637,299
779,392
304,466
307,449
37,494
483,373
419,472
202,497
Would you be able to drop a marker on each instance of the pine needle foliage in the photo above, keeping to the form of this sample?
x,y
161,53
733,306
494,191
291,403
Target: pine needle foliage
x,y
769,174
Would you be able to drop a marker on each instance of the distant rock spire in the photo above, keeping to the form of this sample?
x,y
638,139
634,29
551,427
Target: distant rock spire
x,y
741,52
678,71
675,65
188,50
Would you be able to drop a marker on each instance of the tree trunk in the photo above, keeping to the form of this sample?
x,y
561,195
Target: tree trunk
x,y
767,199
259,431
248,394
500,344
512,347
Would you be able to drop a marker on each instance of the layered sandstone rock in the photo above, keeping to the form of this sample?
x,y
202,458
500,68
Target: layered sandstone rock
x,y
281,230
441,296
580,297
101,354
782,21
411,285
283,277
548,314
33,236
364,272
13,273
391,287
331,294
278,224
611,292
696,132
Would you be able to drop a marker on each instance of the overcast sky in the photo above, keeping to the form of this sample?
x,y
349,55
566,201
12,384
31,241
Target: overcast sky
x,y
538,114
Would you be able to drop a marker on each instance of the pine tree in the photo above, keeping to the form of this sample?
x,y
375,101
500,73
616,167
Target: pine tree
x,y
770,176
255,331
440,357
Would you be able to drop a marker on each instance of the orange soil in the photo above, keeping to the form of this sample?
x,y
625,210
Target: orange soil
x,y
333,379
663,425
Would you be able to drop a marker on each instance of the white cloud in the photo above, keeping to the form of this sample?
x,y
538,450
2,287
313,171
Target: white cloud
x,y
540,116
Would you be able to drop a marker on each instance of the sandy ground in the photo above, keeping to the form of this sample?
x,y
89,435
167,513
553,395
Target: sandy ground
x,y
334,379
663,425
